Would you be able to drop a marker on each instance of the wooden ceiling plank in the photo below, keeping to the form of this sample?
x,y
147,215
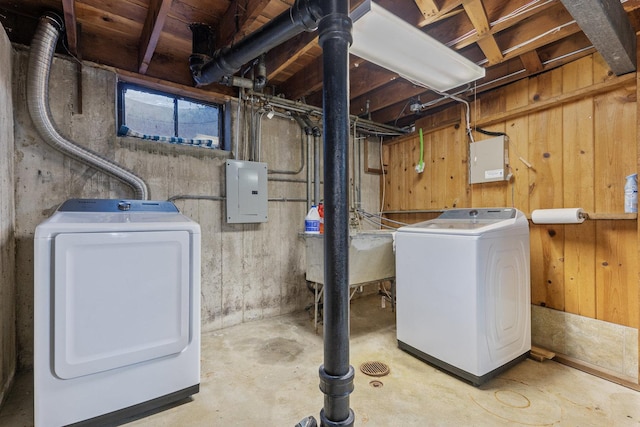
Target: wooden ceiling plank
x,y
308,82
606,24
557,34
537,9
238,18
305,82
71,25
153,24
531,62
108,24
281,57
366,77
395,92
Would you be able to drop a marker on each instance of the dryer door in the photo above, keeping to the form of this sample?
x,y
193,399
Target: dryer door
x,y
118,299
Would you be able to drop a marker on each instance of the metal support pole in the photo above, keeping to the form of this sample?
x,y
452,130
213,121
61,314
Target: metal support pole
x,y
336,375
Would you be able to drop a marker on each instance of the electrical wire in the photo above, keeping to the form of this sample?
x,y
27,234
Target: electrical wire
x,y
467,107
395,122
511,144
376,219
526,8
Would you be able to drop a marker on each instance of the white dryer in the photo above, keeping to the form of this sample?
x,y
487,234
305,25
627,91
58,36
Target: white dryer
x,y
463,291
116,310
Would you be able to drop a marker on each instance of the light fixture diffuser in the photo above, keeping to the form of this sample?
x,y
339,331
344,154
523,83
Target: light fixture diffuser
x,y
384,39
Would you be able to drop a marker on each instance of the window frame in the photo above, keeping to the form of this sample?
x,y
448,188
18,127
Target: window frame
x,y
224,113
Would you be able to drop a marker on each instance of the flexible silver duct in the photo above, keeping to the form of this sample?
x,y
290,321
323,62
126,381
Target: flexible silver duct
x,y
43,47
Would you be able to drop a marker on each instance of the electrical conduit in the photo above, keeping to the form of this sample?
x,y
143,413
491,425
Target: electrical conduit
x,y
43,47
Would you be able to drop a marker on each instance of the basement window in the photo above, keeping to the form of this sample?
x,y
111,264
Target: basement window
x,y
159,116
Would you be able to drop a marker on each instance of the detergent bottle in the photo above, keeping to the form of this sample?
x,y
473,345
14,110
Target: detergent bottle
x,y
312,221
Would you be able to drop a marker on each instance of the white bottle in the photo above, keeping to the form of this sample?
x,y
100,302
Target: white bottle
x,y
312,221
631,193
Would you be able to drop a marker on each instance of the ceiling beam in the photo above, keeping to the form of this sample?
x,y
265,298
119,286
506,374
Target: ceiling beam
x,y
478,17
428,8
531,62
606,24
445,8
71,25
153,24
534,12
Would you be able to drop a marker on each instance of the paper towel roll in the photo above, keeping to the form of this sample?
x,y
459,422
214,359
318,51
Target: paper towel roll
x,y
558,216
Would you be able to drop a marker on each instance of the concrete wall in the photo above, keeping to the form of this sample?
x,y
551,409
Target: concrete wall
x,y
249,271
7,247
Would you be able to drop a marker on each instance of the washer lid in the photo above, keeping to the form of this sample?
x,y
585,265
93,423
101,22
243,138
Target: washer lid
x,y
117,205
469,221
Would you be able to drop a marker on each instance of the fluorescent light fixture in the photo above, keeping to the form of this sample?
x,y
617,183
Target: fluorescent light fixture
x,y
384,39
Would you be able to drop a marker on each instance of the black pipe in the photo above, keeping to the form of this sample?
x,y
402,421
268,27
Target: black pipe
x,y
202,45
302,16
302,123
336,375
332,19
314,127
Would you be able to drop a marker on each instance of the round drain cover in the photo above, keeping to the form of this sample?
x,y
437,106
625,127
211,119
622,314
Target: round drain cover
x,y
374,369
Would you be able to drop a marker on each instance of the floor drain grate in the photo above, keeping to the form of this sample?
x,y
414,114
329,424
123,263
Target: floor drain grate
x,y
374,369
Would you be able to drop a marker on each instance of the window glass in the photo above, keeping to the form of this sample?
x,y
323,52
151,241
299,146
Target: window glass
x,y
158,116
196,120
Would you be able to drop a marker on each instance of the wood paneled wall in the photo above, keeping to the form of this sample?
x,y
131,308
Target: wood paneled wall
x,y
576,127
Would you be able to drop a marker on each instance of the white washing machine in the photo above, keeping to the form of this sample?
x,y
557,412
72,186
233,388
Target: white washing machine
x,y
463,291
116,311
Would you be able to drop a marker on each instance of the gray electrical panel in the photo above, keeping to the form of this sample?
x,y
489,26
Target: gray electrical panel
x,y
246,192
489,160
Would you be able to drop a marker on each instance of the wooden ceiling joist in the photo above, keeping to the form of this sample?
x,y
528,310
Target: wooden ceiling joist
x,y
153,24
478,17
71,24
445,9
606,24
531,62
428,8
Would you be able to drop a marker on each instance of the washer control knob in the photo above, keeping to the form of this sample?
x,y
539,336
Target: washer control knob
x,y
124,206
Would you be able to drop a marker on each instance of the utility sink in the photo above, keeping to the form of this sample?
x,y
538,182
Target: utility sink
x,y
371,257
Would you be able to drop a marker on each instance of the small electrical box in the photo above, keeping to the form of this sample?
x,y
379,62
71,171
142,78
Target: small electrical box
x,y
489,160
246,192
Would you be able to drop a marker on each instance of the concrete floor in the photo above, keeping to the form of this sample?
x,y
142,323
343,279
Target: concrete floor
x,y
265,373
